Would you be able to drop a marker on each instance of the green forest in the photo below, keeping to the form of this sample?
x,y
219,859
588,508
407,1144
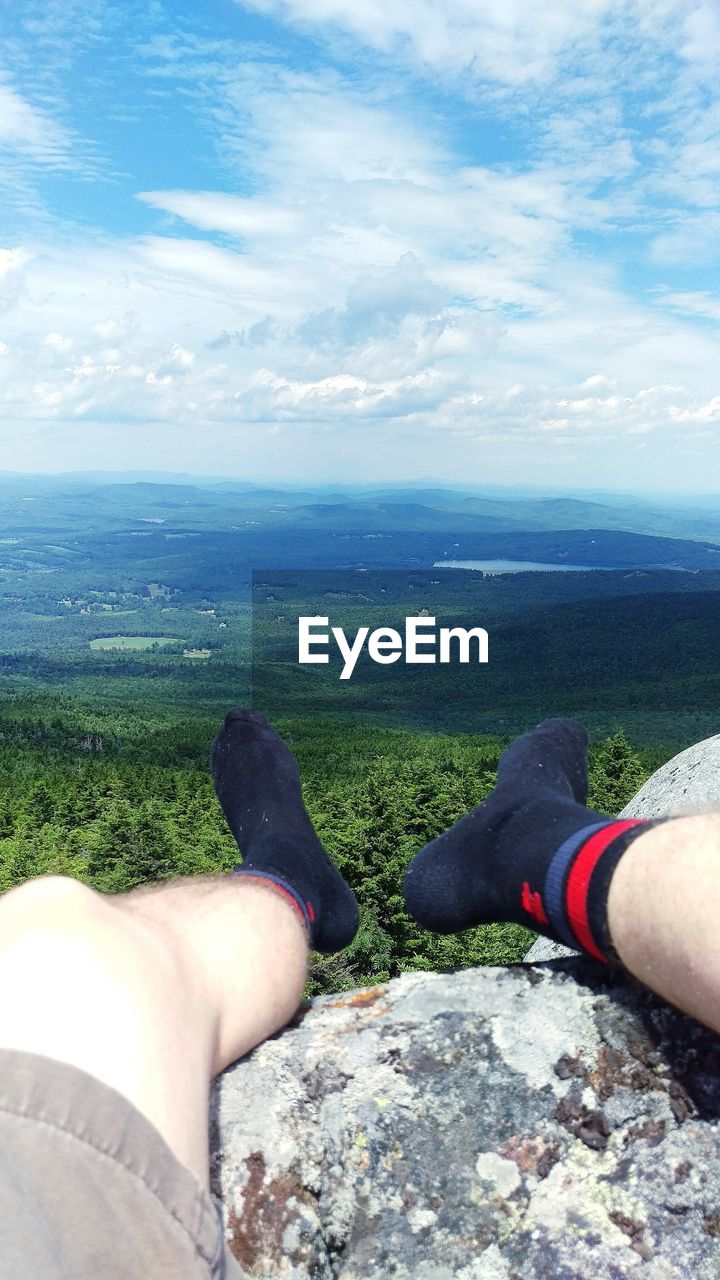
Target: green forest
x,y
126,797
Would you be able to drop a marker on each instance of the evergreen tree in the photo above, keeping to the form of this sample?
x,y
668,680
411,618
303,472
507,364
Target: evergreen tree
x,y
616,773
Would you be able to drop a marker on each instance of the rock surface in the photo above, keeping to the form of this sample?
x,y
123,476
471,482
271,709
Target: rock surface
x,y
550,1121
537,1121
689,783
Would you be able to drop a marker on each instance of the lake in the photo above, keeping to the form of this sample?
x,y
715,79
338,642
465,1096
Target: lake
x,y
518,566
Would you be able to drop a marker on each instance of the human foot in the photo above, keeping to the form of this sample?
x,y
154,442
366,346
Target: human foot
x,y
257,782
531,854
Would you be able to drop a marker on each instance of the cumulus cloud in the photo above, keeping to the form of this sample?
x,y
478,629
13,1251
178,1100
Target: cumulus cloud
x,y
709,412
375,306
272,397
401,350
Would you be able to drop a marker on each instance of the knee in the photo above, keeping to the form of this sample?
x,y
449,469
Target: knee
x,y
64,944
48,902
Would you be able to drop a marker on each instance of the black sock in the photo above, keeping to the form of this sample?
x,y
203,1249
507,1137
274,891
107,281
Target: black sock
x,y
532,854
257,782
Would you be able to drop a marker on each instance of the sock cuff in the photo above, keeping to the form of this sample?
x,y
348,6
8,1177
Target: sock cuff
x,y
289,892
599,889
556,879
578,882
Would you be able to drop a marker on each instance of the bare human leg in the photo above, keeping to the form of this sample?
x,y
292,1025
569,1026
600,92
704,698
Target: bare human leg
x,y
152,992
663,912
156,991
646,895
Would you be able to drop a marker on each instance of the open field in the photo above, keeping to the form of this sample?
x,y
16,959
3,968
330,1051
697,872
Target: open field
x,y
131,642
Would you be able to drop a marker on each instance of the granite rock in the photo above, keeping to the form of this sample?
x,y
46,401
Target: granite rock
x,y
517,1123
689,783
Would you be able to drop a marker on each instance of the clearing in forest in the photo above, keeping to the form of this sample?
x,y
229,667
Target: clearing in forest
x,y
131,642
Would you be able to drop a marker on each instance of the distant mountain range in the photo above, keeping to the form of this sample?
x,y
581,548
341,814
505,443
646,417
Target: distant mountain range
x,y
96,503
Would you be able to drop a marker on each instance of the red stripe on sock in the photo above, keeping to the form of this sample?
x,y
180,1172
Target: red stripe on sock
x,y
272,884
579,882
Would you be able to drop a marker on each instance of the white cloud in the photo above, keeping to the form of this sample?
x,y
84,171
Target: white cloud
x,y
402,351
12,276
31,132
511,43
376,305
12,260
296,126
702,34
376,278
57,341
271,397
196,268
692,303
518,44
709,412
217,211
694,241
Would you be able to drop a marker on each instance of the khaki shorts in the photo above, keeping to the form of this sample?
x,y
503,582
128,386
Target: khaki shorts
x,y
89,1190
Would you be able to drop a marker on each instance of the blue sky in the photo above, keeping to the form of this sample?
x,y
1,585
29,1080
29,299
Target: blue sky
x,y
313,239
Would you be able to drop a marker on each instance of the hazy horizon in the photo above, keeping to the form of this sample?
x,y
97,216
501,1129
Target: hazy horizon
x,y
149,476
